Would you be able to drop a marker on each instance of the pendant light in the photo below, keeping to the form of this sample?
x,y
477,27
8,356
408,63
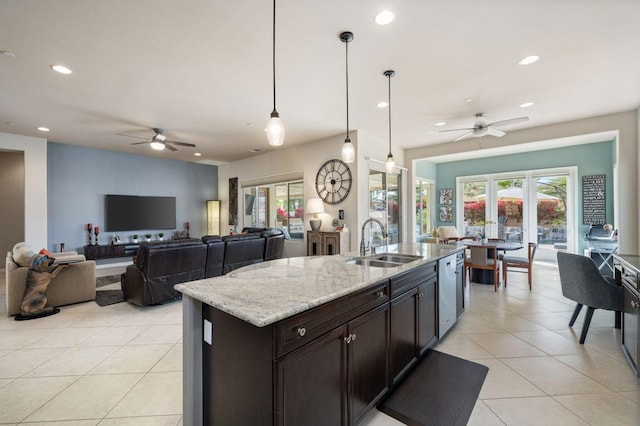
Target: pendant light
x,y
348,151
275,127
390,164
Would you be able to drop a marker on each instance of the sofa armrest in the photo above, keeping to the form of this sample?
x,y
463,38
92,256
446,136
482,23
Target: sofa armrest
x,y
133,283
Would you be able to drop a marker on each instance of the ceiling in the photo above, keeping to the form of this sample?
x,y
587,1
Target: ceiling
x,y
201,69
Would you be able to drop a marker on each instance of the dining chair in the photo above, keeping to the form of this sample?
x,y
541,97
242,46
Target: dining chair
x,y
497,240
582,282
520,264
483,257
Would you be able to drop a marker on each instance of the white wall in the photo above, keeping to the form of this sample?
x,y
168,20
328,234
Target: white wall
x,y
627,126
308,158
35,183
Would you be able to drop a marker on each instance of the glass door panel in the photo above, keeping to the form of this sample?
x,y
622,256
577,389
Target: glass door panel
x,y
384,205
510,207
424,218
393,208
551,214
475,207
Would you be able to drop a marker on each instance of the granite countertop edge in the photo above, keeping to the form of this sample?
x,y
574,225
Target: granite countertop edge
x,y
264,293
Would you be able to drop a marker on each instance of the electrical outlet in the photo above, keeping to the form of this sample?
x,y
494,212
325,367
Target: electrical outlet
x,y
208,332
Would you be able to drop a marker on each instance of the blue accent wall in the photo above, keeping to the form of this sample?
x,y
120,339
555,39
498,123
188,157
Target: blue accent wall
x,y
590,159
79,178
427,170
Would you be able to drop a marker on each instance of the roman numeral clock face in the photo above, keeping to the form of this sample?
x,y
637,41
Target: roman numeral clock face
x,y
333,181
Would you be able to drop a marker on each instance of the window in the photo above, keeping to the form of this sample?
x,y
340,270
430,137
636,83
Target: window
x,y
424,209
279,205
385,205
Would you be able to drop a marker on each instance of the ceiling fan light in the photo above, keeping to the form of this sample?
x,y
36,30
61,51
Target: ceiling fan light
x,y
480,132
390,164
275,130
158,146
348,151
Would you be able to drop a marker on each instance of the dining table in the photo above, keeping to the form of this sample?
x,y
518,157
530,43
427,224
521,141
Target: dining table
x,y
484,276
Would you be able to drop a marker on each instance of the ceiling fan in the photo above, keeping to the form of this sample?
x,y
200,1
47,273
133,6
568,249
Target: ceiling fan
x,y
482,128
159,141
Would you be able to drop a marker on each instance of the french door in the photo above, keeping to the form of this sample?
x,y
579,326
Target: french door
x,y
521,207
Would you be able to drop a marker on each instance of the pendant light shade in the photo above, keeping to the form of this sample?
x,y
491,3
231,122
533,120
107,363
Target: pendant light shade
x,y
390,164
275,126
348,150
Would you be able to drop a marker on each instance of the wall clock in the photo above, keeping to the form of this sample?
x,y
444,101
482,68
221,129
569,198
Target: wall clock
x,y
333,181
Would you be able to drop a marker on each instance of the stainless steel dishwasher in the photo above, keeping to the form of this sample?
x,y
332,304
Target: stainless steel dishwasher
x,y
446,294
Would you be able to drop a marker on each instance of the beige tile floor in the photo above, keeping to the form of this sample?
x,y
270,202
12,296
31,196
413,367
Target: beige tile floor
x,y
121,365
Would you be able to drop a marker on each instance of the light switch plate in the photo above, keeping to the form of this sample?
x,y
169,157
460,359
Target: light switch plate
x,y
208,332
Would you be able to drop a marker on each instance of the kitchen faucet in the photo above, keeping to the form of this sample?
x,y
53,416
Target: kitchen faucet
x,y
363,249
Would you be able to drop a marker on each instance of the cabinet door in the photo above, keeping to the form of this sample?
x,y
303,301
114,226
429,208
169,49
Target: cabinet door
x,y
459,290
314,243
312,383
404,333
368,361
630,320
331,244
427,314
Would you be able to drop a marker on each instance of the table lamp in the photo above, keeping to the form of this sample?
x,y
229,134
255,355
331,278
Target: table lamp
x,y
314,206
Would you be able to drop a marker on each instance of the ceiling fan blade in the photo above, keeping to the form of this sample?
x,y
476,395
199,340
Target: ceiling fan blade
x,y
140,143
169,147
456,130
508,122
181,143
495,132
131,136
466,135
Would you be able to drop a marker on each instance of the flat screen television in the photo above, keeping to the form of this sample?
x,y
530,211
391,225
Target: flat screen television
x,y
134,212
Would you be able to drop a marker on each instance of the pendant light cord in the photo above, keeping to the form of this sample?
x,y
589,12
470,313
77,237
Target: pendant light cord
x,y
274,56
389,76
347,78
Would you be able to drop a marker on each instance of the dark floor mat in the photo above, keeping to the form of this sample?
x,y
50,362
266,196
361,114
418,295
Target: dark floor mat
x,y
109,297
440,390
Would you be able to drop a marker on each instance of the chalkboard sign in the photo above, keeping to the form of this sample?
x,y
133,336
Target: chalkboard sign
x,y
594,208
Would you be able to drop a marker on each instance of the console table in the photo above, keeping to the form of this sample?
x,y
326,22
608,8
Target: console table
x,y
109,251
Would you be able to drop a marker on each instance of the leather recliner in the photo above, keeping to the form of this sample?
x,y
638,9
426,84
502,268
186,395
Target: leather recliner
x,y
274,244
215,255
159,266
242,250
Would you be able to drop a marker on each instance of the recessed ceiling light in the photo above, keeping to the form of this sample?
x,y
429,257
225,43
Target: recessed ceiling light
x,y
10,123
529,59
256,150
249,124
440,123
61,69
43,129
468,100
197,154
384,17
382,104
8,53
526,104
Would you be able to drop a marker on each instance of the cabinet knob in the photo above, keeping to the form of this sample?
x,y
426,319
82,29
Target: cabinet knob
x,y
635,304
353,337
348,339
302,331
380,294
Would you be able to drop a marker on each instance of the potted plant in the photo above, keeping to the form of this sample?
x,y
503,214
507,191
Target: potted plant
x,y
135,238
161,236
148,237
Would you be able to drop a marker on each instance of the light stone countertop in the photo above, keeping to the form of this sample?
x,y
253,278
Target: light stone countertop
x,y
264,293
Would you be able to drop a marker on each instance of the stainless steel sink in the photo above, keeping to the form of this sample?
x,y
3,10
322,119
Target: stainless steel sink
x,y
396,258
384,260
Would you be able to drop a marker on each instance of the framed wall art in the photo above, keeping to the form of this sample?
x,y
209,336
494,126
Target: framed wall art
x,y
446,196
446,214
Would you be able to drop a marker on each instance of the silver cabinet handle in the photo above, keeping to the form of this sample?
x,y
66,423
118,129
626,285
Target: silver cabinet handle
x,y
348,339
353,337
380,294
302,331
635,304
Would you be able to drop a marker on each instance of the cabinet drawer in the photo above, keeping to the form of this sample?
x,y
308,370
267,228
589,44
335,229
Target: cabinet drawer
x,y
303,328
628,274
412,278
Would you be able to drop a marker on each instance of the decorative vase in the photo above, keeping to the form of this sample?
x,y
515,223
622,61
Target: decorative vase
x,y
485,240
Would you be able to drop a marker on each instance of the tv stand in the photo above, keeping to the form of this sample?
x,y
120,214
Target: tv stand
x,y
109,251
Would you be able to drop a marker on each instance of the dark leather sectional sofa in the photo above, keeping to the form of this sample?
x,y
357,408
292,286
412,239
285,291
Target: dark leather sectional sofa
x,y
159,265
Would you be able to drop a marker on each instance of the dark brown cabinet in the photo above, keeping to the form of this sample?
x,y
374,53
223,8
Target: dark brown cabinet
x,y
413,318
627,273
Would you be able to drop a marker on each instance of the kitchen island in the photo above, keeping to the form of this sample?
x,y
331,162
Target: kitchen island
x,y
308,340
